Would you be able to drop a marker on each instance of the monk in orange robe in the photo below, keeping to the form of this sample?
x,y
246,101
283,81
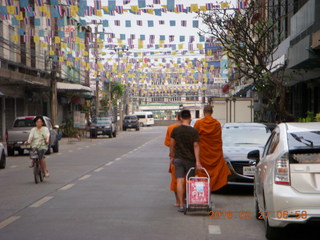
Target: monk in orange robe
x,y
173,185
211,154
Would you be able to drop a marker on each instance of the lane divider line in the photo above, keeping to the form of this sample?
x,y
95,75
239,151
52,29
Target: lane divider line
x,y
13,166
99,169
70,151
66,187
214,229
84,177
8,221
59,153
117,159
79,148
109,163
40,202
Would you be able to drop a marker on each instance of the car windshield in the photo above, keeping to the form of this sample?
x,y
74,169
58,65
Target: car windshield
x,y
102,121
28,122
304,140
234,136
131,118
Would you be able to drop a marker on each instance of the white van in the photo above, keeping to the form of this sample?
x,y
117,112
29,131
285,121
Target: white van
x,y
145,118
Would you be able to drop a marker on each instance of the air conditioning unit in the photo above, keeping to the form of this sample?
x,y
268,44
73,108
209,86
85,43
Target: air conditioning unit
x,y
316,40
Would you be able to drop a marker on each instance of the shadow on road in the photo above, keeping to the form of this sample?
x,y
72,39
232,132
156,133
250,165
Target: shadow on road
x,y
235,190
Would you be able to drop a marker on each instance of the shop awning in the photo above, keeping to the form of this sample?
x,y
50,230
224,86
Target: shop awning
x,y
73,87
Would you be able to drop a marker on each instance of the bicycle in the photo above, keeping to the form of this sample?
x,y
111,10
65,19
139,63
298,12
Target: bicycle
x,y
37,168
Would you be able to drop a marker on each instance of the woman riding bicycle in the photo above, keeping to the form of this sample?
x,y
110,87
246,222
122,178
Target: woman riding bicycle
x,y
39,138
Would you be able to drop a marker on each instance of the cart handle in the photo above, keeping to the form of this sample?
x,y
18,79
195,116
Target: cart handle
x,y
203,169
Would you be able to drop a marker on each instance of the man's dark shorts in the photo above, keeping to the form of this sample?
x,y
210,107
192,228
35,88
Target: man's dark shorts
x,y
181,167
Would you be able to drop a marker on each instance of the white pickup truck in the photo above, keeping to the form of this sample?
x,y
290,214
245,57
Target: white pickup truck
x,y
20,130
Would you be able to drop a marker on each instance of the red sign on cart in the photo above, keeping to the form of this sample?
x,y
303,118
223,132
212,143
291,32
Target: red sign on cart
x,y
198,191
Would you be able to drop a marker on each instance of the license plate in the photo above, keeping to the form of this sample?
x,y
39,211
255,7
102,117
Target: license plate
x,y
24,146
99,132
249,171
129,125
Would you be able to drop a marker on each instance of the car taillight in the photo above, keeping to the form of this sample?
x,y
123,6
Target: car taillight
x,y
282,171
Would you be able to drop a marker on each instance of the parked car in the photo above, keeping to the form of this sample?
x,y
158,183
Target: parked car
x,y
287,177
103,126
131,121
20,131
193,121
2,156
239,139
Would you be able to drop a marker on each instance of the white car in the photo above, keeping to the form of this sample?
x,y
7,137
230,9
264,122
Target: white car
x,y
287,177
2,156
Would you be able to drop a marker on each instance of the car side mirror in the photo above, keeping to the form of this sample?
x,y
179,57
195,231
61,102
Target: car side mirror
x,y
254,155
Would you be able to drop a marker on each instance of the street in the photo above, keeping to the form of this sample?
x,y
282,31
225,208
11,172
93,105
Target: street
x,y
115,189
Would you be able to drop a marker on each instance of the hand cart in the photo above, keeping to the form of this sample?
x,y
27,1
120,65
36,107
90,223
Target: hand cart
x,y
198,193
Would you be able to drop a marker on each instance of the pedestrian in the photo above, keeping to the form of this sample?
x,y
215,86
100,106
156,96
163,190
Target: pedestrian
x,y
211,154
184,153
39,138
173,185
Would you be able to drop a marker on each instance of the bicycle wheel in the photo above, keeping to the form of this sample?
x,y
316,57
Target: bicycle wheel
x,y
36,172
41,175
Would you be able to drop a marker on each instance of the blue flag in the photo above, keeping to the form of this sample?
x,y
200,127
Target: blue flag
x,y
170,5
141,3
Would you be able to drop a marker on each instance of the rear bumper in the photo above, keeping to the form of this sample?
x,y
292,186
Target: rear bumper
x,y
131,126
289,206
102,131
15,145
239,179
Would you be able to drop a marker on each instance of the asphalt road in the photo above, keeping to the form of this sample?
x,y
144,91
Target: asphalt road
x,y
116,189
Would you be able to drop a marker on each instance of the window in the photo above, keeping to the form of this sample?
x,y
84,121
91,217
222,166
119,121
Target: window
x,y
274,143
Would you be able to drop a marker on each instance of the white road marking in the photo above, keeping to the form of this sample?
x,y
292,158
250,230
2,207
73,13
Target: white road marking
x,y
79,148
109,163
70,151
98,169
40,202
87,146
8,221
59,154
214,229
117,159
13,166
66,187
84,177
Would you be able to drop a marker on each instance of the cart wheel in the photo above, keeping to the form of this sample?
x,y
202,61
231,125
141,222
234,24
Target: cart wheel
x,y
185,211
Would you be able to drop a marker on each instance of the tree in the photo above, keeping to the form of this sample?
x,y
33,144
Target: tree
x,y
251,37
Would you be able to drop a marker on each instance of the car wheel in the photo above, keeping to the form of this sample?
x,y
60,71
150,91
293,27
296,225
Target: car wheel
x,y
56,147
272,232
3,160
110,135
137,129
114,134
141,124
256,210
124,129
10,152
93,134
21,151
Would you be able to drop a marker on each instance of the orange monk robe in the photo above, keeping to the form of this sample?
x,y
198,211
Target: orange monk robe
x,y
173,185
211,154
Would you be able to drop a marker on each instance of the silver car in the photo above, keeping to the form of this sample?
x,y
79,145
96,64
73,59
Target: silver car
x,y
287,177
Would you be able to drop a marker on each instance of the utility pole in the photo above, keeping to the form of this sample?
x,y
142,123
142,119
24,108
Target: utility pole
x,y
98,75
53,78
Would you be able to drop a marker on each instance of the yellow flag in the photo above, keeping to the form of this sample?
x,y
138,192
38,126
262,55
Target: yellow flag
x,y
42,8
52,52
203,8
150,11
61,59
78,40
44,45
19,17
200,46
105,9
15,38
36,39
84,63
10,9
194,8
134,8
99,13
74,8
63,45
224,5
68,63
56,39
211,67
180,46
